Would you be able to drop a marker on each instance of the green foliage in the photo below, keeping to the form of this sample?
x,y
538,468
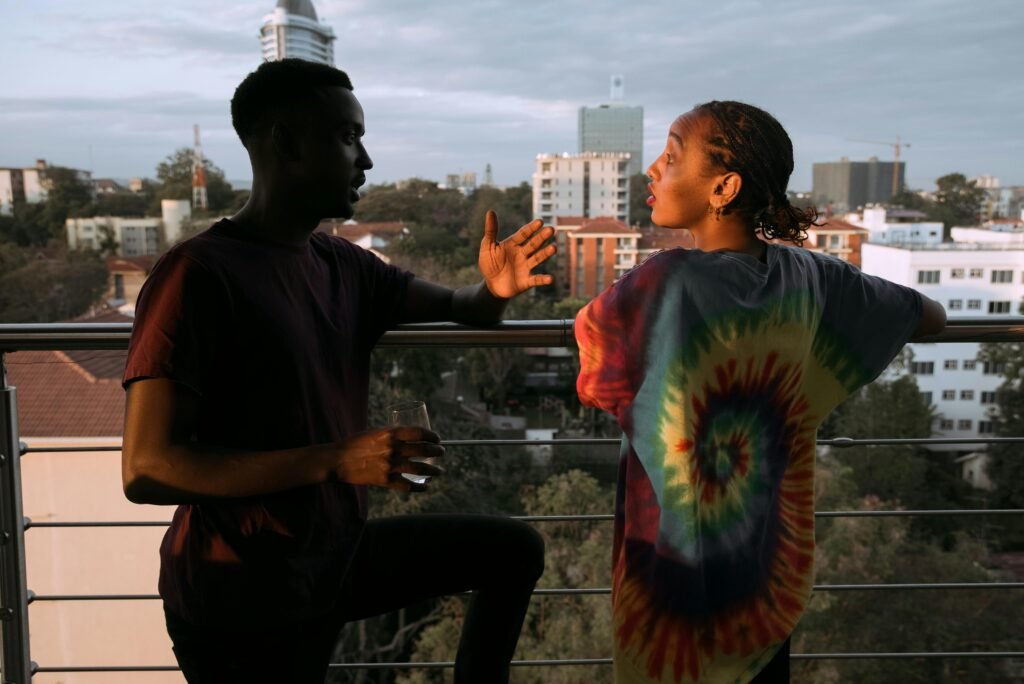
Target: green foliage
x,y
174,176
578,555
639,212
42,223
912,476
42,290
957,202
886,550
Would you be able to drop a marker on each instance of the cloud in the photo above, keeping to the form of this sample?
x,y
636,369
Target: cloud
x,y
452,85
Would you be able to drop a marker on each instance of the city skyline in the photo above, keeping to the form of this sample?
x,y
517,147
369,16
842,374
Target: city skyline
x,y
449,88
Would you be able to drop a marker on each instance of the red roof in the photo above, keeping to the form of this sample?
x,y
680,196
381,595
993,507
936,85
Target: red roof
x,y
59,398
570,220
604,224
136,263
834,224
656,237
352,231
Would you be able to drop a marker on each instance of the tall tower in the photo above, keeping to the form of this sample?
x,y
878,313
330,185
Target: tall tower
x,y
293,30
614,127
198,174
488,177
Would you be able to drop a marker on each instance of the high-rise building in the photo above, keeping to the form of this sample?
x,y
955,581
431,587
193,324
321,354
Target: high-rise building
x,y
293,30
589,184
29,185
614,127
845,185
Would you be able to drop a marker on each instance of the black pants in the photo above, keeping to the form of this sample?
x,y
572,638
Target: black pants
x,y
777,669
400,561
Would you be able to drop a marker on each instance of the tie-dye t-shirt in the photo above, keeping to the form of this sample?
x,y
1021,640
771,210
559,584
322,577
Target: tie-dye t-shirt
x,y
719,368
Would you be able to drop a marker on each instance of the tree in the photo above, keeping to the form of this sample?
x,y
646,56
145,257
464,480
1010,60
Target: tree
x,y
958,199
639,211
886,551
1005,466
174,176
42,290
912,476
578,555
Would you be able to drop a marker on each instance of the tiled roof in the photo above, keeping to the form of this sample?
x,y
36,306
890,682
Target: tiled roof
x,y
602,225
59,398
570,220
352,231
834,224
656,237
136,263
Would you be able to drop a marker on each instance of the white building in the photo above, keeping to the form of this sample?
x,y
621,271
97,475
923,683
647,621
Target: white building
x,y
133,236
293,30
614,127
589,184
978,279
27,185
897,226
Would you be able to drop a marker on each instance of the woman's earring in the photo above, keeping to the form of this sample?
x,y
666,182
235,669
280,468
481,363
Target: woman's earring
x,y
718,213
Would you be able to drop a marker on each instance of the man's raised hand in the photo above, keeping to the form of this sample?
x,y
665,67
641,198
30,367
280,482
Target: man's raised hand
x,y
507,266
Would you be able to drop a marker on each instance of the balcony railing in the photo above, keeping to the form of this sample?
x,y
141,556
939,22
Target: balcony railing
x,y
15,597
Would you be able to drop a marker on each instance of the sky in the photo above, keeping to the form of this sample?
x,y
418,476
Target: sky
x,y
115,86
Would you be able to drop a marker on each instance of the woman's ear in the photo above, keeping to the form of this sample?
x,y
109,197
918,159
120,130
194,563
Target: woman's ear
x,y
727,188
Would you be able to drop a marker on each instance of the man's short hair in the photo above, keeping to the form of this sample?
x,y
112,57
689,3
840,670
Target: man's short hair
x,y
282,84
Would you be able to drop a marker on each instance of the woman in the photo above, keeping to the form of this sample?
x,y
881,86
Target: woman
x,y
719,363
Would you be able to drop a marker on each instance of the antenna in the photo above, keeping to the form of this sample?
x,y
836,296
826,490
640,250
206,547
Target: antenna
x,y
896,147
198,173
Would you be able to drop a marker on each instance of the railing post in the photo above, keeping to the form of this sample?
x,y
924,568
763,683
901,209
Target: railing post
x,y
16,667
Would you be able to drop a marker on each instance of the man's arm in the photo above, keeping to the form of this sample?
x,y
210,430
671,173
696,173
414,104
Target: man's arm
x,y
162,464
933,318
507,270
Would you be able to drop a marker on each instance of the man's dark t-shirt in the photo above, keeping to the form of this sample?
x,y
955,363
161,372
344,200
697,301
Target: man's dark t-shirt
x,y
275,341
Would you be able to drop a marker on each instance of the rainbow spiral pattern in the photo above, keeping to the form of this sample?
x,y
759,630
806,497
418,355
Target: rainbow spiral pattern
x,y
714,544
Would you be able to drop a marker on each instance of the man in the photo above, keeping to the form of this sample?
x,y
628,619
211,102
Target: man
x,y
247,381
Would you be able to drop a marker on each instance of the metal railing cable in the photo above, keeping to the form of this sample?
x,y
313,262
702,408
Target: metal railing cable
x,y
15,596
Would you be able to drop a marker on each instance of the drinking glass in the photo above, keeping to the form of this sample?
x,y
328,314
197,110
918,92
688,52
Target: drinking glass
x,y
412,413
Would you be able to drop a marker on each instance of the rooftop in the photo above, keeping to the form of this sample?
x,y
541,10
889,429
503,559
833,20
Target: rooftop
x,y
301,7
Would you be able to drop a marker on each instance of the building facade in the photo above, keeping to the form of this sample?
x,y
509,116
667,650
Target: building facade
x,y
837,238
845,185
897,226
613,127
980,278
293,30
590,184
27,185
130,237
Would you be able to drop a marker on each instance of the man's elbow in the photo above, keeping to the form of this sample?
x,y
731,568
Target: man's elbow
x,y
136,480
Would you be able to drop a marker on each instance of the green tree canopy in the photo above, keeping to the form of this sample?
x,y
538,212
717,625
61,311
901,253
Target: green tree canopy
x,y
44,290
174,181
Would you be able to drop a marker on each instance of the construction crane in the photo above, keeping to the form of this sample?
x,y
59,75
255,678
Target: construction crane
x,y
198,173
896,147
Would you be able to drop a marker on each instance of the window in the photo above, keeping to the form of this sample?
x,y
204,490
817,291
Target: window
x,y
973,303
994,368
964,424
955,304
833,241
118,286
926,397
927,277
970,364
956,273
977,272
998,307
986,427
1002,276
949,364
988,397
945,424
948,395
966,395
922,367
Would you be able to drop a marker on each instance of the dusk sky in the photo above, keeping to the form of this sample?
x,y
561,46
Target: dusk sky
x,y
450,86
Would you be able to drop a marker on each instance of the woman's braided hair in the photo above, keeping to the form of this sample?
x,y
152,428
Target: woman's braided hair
x,y
750,142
